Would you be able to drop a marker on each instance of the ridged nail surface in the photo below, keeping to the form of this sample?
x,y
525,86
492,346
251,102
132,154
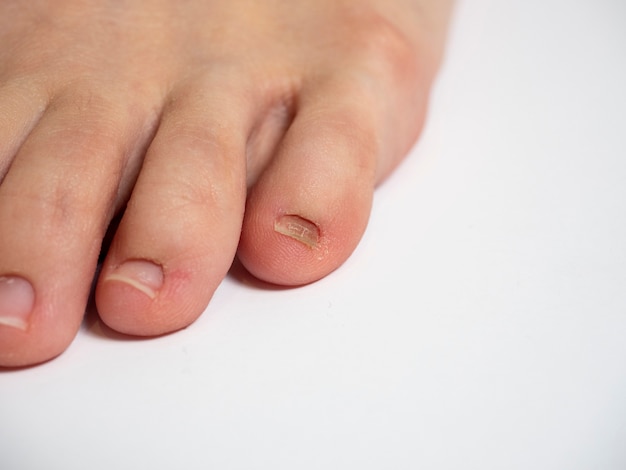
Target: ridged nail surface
x,y
299,229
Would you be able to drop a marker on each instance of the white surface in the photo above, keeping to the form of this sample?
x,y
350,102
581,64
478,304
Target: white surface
x,y
480,325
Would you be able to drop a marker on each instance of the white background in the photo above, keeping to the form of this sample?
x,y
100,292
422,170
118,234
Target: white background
x,y
481,324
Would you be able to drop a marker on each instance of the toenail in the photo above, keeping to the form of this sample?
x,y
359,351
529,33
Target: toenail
x,y
299,229
144,276
16,301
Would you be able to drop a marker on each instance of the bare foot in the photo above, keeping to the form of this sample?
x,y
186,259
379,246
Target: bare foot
x,y
217,126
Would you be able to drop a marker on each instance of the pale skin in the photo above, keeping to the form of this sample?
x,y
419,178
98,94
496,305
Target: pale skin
x,y
211,129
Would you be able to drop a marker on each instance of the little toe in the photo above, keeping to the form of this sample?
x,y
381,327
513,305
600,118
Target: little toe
x,y
179,233
357,115
309,209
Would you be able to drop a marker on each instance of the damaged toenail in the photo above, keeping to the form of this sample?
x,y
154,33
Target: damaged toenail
x,y
299,229
144,276
17,298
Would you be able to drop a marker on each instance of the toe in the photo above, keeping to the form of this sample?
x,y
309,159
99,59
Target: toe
x,y
55,201
177,238
309,208
357,115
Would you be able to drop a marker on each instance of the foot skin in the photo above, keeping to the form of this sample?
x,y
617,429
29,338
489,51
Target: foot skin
x,y
215,128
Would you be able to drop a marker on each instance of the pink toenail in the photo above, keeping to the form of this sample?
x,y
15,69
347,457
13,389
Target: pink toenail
x,y
144,276
299,229
16,301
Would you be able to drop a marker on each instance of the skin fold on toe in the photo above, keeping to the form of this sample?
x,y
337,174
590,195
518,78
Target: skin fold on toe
x,y
205,142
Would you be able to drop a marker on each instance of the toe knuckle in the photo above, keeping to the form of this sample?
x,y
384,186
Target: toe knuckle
x,y
186,196
55,206
387,50
353,143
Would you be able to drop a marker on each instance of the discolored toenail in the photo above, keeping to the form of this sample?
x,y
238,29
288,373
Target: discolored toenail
x,y
144,276
299,229
17,298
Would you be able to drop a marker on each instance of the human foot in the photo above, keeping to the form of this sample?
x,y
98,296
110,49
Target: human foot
x,y
217,127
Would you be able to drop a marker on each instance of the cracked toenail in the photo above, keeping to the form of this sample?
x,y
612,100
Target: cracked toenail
x,y
17,298
299,229
144,276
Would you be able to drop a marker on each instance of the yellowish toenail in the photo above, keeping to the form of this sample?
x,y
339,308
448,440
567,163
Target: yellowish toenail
x,y
17,298
299,229
144,276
